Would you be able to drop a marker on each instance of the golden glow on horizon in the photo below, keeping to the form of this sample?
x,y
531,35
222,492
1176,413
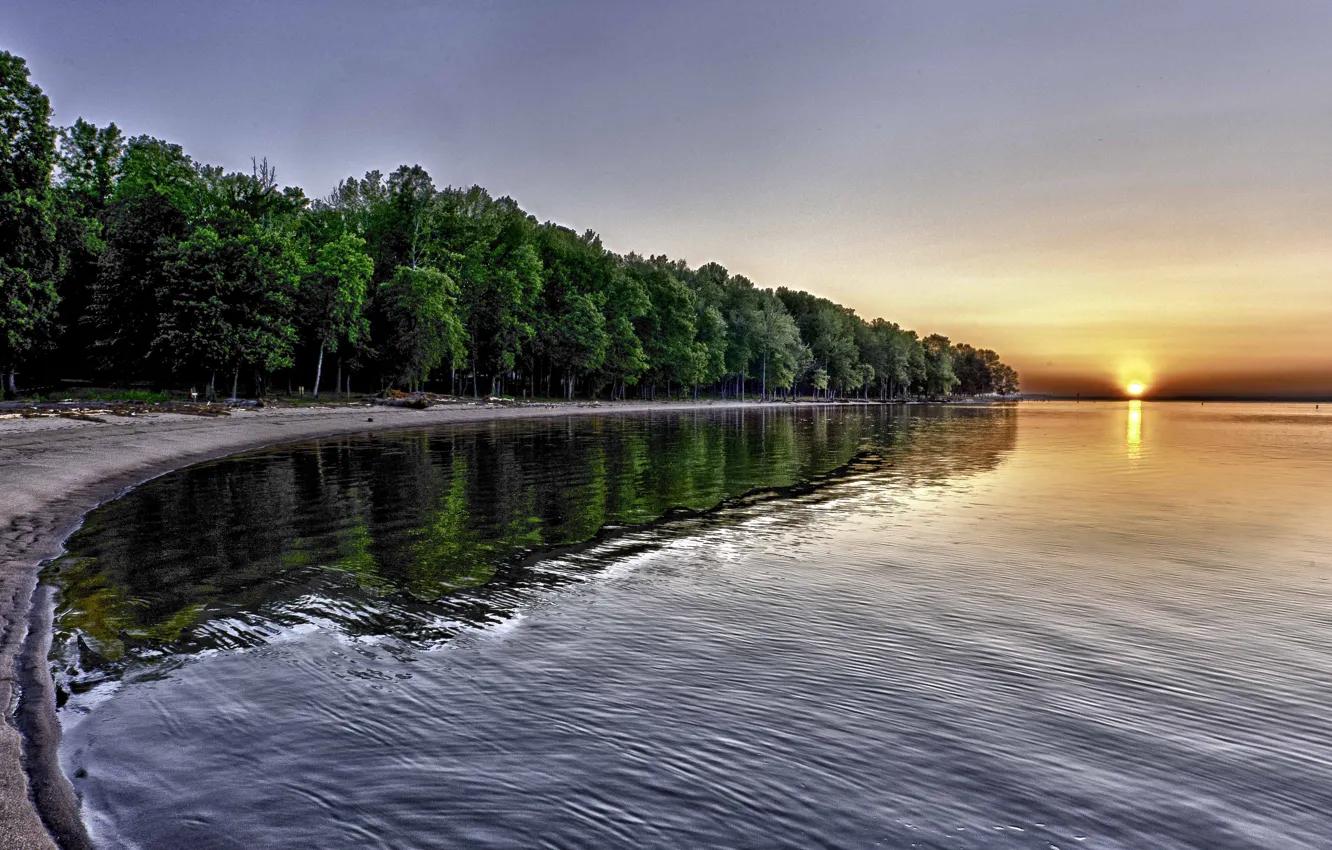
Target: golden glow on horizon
x,y
1175,329
1135,388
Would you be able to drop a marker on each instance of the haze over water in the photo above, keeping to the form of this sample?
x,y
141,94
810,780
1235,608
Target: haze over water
x,y
1055,625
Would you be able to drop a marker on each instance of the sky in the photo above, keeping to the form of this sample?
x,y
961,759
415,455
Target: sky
x,y
1102,193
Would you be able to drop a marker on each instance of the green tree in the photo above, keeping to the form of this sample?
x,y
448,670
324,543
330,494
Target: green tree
x,y
668,328
709,346
397,216
710,332
352,207
28,257
777,343
905,359
333,296
578,342
89,165
939,379
572,335
152,211
972,370
981,371
143,234
154,166
229,301
421,309
626,302
829,331
490,250
200,269
740,302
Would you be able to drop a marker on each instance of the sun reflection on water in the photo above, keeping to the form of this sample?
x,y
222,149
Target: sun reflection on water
x,y
1133,439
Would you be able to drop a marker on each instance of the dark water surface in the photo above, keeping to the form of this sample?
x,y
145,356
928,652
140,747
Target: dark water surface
x,y
1099,626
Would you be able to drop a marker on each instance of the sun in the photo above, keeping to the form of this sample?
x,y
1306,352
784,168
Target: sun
x,y
1135,388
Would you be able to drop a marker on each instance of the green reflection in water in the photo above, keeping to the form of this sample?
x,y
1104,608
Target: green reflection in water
x,y
412,535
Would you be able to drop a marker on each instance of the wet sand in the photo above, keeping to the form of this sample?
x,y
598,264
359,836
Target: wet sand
x,y
55,470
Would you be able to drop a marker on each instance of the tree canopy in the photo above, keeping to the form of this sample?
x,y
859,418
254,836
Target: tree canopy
x,y
127,260
28,257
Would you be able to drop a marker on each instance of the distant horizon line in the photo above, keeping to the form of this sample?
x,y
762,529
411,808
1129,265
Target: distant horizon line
x,y
1219,397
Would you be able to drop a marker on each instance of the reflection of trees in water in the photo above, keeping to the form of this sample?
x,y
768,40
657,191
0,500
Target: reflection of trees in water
x,y
949,442
404,535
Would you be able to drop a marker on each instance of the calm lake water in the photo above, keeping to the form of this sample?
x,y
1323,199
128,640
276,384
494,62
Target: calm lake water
x,y
1051,626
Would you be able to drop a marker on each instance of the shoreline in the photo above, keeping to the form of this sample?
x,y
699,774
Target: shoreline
x,y
55,470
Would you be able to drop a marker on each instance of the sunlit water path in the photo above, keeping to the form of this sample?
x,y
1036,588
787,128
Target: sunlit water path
x,y
1092,625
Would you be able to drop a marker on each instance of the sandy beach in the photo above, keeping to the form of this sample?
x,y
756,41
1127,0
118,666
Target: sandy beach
x,y
54,470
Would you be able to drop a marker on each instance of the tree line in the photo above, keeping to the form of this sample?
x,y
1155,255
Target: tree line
x,y
126,260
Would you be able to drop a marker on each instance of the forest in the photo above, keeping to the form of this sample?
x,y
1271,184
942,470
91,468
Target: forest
x,y
125,262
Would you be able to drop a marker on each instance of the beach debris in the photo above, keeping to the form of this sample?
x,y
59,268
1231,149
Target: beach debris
x,y
416,401
424,400
92,410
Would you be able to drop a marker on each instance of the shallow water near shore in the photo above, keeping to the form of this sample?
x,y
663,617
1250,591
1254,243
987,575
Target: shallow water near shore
x,y
1055,625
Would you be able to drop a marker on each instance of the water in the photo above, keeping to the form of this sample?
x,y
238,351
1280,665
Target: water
x,y
1090,626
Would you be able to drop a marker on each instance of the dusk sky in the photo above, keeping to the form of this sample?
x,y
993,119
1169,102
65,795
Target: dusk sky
x,y
1100,192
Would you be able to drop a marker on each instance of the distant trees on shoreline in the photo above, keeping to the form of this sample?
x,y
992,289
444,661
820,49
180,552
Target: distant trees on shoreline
x,y
127,260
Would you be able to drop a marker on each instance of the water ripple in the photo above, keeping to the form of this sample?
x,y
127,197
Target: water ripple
x,y
1009,630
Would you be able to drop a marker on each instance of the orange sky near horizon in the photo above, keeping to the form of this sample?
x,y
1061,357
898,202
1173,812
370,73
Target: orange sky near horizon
x,y
1247,312
1255,325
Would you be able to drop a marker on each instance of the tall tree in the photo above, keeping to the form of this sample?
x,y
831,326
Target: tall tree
x,y
89,165
333,296
399,218
578,341
228,302
626,302
939,379
777,343
151,213
668,328
571,332
829,331
28,257
710,332
421,309
490,245
143,234
152,165
740,302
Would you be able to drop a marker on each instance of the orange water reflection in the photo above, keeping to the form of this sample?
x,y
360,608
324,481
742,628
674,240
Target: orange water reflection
x,y
1133,439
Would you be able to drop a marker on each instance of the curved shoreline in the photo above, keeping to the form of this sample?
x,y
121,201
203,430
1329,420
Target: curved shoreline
x,y
53,472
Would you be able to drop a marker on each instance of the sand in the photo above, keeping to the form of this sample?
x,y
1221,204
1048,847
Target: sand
x,y
55,470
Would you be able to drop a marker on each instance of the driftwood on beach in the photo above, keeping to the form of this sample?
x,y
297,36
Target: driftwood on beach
x,y
424,401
